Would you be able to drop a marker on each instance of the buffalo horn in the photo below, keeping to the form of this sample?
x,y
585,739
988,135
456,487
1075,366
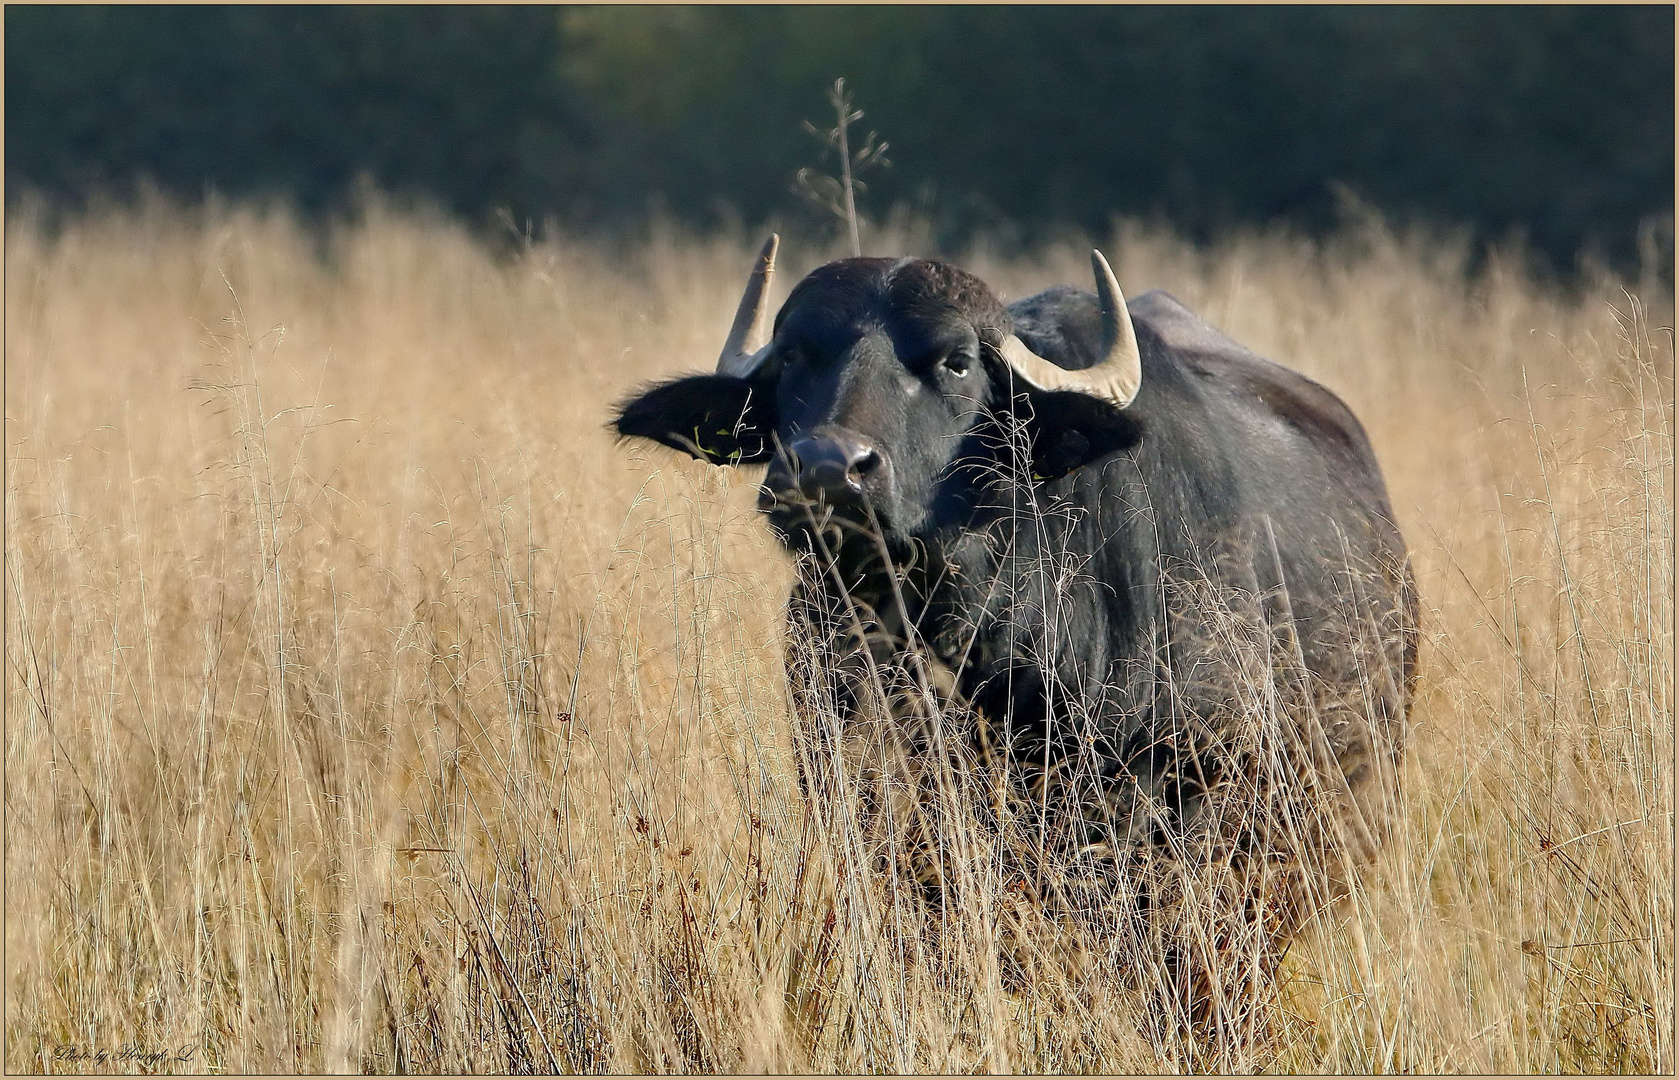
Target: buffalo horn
x,y
748,342
1116,377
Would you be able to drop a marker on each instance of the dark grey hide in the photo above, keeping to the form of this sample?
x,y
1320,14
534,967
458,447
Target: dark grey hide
x,y
1143,608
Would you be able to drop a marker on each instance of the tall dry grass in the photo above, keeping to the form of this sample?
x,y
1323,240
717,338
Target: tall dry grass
x,y
367,708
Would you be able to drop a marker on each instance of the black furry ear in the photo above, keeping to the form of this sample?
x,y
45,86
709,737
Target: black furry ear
x,y
1069,430
717,418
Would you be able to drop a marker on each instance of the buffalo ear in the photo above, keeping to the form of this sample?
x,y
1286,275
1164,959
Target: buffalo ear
x,y
716,418
1069,430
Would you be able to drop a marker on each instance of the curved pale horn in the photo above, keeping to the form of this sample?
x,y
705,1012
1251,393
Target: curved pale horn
x,y
748,341
1117,376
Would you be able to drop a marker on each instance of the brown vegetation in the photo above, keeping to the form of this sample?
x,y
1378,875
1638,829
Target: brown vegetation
x,y
368,708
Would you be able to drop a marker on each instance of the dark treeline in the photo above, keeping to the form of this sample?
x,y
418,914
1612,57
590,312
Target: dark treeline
x,y
1555,123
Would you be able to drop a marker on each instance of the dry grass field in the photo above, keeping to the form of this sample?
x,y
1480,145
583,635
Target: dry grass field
x,y
368,708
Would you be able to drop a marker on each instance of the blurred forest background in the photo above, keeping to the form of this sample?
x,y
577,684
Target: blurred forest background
x,y
1553,124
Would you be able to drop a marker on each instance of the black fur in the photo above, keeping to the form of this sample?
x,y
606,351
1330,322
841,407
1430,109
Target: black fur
x,y
1227,472
713,417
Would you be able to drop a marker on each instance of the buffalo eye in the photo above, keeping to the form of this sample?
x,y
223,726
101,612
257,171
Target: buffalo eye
x,y
958,364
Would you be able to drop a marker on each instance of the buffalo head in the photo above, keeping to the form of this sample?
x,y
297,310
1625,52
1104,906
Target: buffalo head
x,y
883,391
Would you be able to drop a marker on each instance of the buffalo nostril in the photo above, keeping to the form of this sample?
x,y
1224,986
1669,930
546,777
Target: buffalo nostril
x,y
864,464
832,465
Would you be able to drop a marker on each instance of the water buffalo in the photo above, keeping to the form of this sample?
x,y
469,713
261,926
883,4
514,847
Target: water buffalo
x,y
1162,571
